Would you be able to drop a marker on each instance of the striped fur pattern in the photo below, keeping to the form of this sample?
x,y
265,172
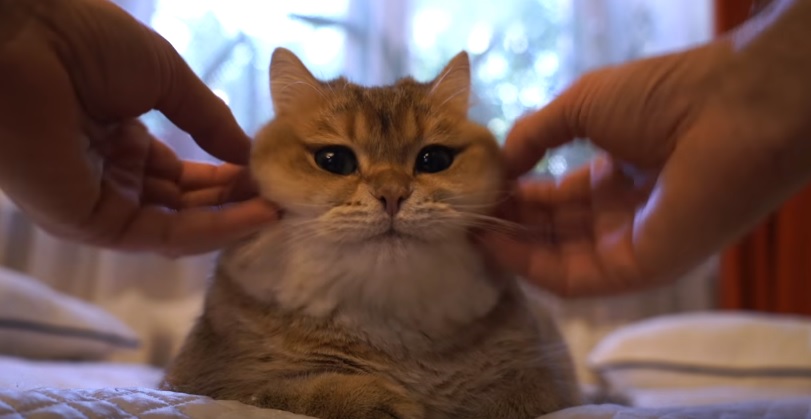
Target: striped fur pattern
x,y
342,310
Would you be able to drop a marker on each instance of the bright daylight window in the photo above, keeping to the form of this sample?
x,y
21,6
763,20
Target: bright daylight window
x,y
523,51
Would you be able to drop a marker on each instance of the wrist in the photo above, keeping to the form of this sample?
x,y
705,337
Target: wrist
x,y
766,81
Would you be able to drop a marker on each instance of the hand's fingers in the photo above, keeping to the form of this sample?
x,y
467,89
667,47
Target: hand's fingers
x,y
161,192
210,197
603,261
536,200
551,126
616,196
542,265
230,182
123,223
582,269
180,232
165,180
183,184
505,252
196,230
162,162
194,108
203,176
168,193
575,187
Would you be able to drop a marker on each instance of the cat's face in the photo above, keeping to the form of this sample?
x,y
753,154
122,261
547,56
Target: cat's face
x,y
354,164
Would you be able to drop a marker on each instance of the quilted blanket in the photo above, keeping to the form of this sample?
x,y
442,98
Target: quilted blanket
x,y
155,404
114,403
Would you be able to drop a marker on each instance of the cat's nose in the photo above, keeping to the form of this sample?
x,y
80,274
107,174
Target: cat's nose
x,y
392,198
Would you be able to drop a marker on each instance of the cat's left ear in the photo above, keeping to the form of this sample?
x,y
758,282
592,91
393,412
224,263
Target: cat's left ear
x,y
452,87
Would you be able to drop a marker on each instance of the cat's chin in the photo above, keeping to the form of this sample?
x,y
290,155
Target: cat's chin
x,y
399,238
428,283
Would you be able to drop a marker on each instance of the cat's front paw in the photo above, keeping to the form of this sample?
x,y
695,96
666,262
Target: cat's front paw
x,y
391,410
346,409
373,398
340,397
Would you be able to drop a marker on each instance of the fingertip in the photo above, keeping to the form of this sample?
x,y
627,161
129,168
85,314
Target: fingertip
x,y
534,135
517,162
213,229
258,212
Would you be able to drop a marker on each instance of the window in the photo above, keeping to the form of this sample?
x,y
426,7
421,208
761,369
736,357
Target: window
x,y
523,51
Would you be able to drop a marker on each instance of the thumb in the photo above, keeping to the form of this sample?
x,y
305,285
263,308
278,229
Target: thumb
x,y
194,108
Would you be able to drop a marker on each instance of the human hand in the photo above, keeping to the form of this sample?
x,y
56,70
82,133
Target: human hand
x,y
75,75
693,158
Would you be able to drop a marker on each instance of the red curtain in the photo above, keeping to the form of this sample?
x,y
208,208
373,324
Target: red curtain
x,y
730,13
770,268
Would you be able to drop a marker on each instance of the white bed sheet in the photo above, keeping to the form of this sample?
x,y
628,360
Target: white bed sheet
x,y
23,374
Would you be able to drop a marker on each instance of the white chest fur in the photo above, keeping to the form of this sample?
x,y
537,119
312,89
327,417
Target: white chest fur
x,y
426,287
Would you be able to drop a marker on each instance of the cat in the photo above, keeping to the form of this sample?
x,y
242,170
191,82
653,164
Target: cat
x,y
368,298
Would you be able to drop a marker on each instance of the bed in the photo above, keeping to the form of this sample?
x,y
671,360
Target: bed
x,y
56,356
150,403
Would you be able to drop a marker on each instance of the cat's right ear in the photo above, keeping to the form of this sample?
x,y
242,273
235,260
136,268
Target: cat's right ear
x,y
452,87
291,84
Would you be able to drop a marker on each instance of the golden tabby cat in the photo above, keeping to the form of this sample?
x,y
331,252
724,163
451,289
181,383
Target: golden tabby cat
x,y
367,300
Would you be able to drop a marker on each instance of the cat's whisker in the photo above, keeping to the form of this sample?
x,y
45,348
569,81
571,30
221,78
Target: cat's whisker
x,y
501,224
299,232
537,233
307,205
502,198
465,206
470,221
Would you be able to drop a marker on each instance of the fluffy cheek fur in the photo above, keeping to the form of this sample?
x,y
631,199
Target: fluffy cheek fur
x,y
287,175
473,184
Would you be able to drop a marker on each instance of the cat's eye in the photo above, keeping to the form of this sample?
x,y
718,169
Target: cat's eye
x,y
433,159
336,159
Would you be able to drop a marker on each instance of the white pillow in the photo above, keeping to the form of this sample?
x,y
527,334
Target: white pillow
x,y
40,323
707,349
